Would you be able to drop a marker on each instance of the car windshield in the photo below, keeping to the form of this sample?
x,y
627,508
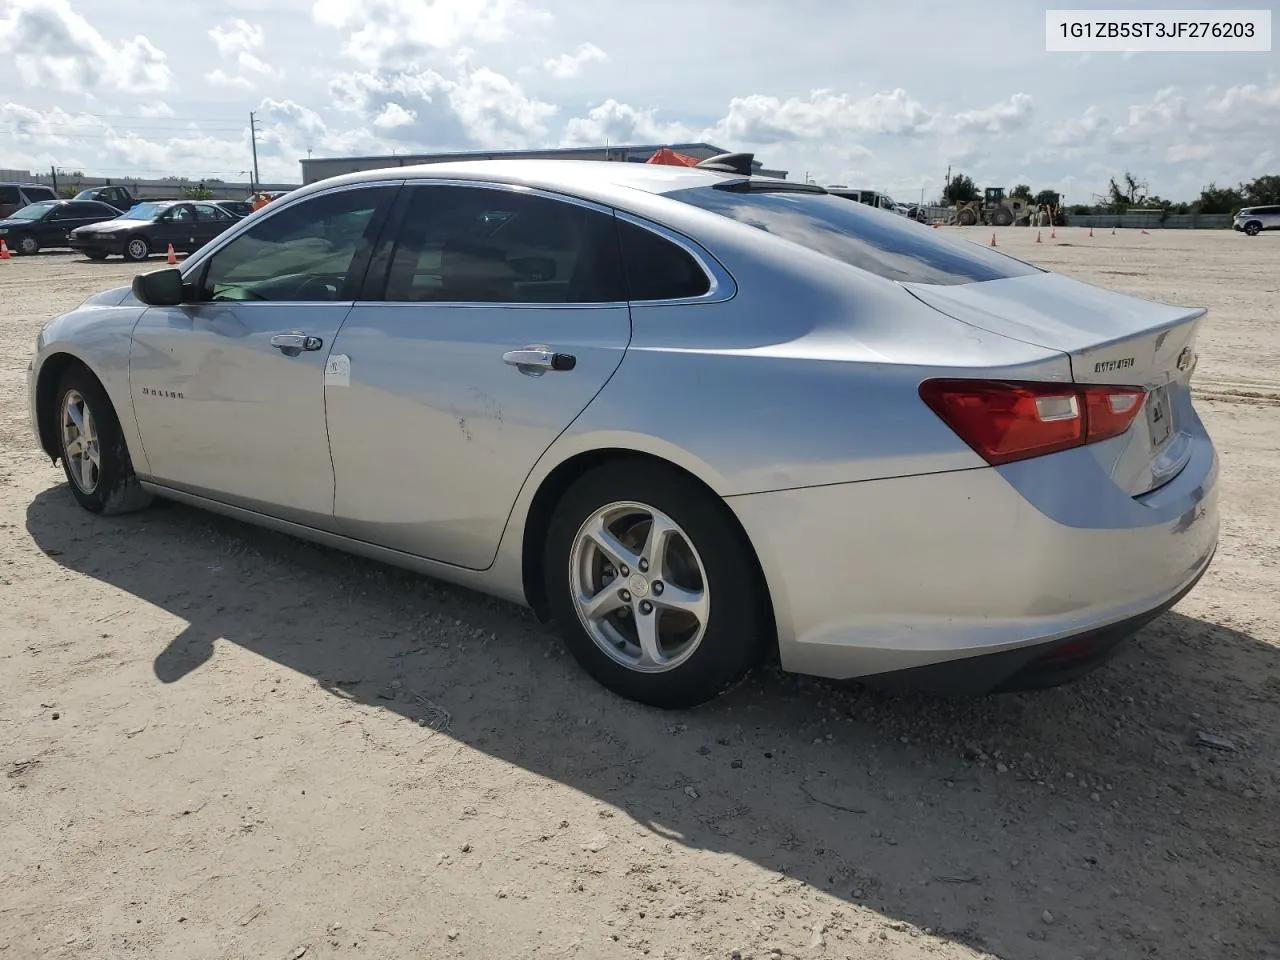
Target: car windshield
x,y
143,211
877,241
33,211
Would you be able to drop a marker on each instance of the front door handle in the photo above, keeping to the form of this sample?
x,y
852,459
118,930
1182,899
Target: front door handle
x,y
296,342
540,358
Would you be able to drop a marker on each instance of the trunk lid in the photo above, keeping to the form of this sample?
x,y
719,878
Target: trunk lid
x,y
1109,338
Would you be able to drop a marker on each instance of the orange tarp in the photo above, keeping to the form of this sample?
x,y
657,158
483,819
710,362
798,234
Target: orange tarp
x,y
671,158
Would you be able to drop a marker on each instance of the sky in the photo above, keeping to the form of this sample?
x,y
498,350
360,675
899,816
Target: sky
x,y
819,88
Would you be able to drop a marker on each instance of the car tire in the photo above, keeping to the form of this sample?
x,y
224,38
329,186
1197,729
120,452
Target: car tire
x,y
967,218
85,424
95,255
707,564
26,245
137,249
1253,228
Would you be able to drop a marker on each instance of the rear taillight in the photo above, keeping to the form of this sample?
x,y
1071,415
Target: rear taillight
x,y
1006,421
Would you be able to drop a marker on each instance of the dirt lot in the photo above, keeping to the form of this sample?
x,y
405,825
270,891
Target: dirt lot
x,y
217,742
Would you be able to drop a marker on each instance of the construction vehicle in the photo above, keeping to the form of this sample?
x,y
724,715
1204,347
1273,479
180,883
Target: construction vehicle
x,y
994,210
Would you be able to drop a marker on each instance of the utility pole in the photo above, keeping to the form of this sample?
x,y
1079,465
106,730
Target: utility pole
x,y
53,175
253,139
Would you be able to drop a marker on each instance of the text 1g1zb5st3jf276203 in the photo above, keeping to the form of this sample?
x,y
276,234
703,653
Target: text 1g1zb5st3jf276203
x,y
1172,31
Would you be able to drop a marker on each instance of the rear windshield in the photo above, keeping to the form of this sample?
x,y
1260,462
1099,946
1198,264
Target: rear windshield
x,y
878,241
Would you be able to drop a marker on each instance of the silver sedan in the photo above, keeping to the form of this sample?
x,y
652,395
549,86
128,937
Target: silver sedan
x,y
692,415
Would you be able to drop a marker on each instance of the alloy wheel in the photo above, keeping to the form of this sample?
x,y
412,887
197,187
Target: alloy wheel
x,y
639,587
80,442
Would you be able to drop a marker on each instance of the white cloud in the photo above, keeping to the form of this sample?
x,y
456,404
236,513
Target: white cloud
x,y
393,115
236,44
569,65
391,33
54,47
1000,118
614,122
220,78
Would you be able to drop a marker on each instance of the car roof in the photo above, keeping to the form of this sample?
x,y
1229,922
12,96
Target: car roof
x,y
602,180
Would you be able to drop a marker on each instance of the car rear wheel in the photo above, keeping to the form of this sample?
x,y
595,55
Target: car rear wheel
x,y
654,586
1253,228
138,248
91,443
27,245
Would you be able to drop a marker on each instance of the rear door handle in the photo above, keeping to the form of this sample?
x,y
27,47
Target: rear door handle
x,y
296,341
538,358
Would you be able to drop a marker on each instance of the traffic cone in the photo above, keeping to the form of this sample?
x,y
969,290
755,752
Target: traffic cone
x,y
1037,236
1147,232
1053,233
173,257
4,250
993,239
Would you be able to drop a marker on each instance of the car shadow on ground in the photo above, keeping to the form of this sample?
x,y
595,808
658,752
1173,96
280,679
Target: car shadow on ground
x,y
967,817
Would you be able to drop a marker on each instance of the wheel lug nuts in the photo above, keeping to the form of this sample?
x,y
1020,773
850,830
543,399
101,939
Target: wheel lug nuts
x,y
657,586
644,566
624,571
646,607
626,596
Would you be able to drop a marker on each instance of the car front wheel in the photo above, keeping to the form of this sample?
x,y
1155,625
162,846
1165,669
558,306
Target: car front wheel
x,y
137,249
653,586
91,444
27,245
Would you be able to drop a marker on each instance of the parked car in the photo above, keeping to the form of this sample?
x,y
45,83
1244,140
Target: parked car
x,y
1253,220
15,196
687,413
49,223
150,227
122,198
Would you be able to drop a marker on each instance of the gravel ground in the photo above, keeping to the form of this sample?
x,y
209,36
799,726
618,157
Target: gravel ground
x,y
217,742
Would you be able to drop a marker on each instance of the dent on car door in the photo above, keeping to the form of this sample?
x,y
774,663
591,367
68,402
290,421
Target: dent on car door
x,y
434,423
228,390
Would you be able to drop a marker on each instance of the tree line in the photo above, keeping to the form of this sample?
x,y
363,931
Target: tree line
x,y
1130,192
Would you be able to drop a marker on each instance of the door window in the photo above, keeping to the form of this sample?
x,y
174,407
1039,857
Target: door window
x,y
483,245
182,214
306,252
10,195
208,213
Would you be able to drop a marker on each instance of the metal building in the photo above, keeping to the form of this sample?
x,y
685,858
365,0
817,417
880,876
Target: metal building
x,y
321,168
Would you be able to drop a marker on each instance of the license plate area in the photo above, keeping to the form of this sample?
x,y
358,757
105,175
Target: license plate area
x,y
1159,419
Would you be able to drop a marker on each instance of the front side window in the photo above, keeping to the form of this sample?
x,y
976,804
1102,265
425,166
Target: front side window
x,y
304,252
483,245
886,245
10,195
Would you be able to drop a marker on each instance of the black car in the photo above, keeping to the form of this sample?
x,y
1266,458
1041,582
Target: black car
x,y
149,227
50,222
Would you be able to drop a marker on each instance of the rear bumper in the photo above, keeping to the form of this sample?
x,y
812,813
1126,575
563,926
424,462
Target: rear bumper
x,y
968,574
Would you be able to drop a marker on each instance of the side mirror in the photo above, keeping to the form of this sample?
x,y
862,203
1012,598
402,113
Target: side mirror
x,y
159,288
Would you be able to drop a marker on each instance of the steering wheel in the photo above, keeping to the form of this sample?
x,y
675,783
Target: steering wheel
x,y
315,285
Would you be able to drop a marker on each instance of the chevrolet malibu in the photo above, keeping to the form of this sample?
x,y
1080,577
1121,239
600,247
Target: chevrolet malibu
x,y
693,415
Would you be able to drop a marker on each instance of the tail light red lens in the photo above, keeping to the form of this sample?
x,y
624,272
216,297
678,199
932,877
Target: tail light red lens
x,y
1006,421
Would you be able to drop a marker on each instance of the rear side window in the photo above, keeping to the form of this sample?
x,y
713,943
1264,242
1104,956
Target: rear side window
x,y
877,241
35,194
10,195
658,269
